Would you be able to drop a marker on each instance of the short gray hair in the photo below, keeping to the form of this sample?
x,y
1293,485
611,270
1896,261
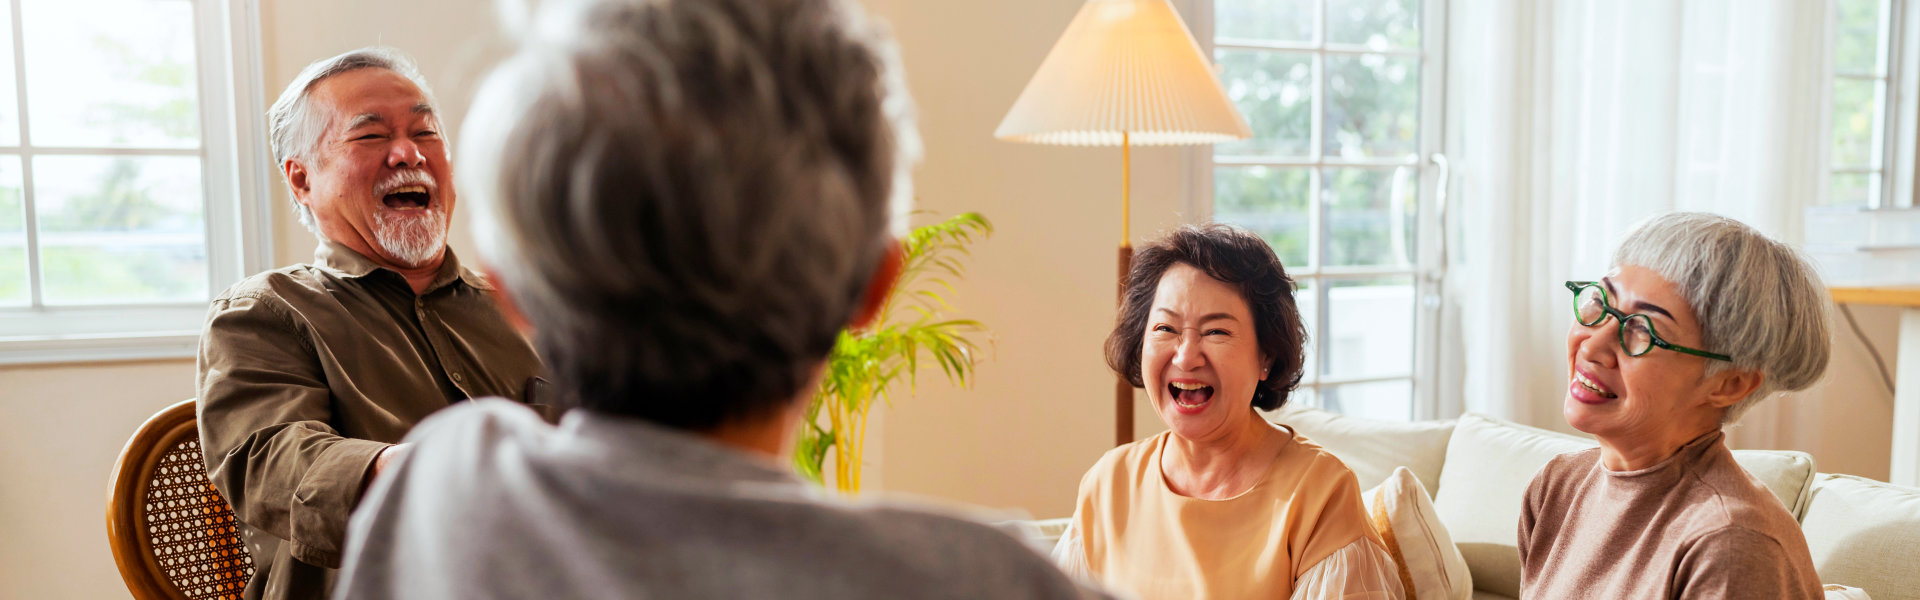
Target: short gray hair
x,y
688,198
1758,300
294,127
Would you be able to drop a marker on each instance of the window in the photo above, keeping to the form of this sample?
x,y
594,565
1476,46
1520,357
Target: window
x,y
131,154
1343,98
1863,76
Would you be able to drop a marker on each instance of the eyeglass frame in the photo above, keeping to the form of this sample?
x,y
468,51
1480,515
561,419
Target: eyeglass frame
x,y
1607,310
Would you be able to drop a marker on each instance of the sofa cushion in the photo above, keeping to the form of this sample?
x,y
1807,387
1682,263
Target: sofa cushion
x,y
1430,565
1494,460
1866,534
1489,464
1374,448
1786,473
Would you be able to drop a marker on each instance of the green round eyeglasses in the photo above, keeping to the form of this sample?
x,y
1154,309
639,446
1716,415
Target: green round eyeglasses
x,y
1591,307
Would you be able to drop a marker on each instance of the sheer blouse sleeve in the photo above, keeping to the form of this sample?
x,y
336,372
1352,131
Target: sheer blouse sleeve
x,y
1070,554
1361,570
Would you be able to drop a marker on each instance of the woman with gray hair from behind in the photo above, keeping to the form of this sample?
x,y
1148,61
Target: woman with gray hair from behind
x,y
688,200
1700,318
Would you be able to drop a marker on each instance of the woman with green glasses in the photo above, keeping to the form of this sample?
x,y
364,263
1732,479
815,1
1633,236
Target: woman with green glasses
x,y
1700,318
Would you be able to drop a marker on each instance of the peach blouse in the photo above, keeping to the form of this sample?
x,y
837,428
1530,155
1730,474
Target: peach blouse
x,y
1302,532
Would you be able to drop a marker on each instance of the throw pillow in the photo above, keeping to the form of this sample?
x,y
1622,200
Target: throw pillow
x,y
1431,568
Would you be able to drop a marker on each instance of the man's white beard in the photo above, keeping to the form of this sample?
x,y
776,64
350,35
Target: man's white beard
x,y
414,240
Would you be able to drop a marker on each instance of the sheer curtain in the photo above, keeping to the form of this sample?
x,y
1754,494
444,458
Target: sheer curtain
x,y
1570,121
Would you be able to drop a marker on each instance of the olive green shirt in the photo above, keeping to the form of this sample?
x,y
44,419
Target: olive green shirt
x,y
306,372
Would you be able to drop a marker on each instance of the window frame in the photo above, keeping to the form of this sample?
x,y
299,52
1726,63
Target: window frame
x,y
1427,270
1890,186
235,179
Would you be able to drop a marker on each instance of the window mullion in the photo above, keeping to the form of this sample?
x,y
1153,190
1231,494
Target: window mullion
x,y
30,213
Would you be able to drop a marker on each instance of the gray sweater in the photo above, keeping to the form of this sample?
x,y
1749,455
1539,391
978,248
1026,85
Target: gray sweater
x,y
494,503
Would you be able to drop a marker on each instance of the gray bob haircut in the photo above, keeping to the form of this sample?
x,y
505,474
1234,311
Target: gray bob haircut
x,y
688,198
1758,300
294,126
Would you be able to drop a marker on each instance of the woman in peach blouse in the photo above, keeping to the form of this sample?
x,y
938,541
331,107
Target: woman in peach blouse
x,y
1224,504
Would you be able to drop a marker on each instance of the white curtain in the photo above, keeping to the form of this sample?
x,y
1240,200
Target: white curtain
x,y
1571,120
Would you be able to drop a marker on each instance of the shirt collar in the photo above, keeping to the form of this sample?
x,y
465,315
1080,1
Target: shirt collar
x,y
681,455
345,262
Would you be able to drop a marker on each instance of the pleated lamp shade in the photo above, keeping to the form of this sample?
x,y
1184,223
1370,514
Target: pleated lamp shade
x,y
1124,66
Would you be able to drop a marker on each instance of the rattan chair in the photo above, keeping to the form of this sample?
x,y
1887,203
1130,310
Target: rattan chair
x,y
172,534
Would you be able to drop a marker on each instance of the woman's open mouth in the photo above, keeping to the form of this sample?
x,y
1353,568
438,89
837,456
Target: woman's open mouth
x,y
407,197
1589,385
1189,397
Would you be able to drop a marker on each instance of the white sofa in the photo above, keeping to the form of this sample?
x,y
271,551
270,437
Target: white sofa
x,y
1862,533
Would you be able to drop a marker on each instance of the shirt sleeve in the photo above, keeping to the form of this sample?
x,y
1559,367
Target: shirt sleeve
x,y
264,413
1070,552
1736,562
1361,570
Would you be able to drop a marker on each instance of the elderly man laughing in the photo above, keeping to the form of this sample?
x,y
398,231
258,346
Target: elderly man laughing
x,y
310,374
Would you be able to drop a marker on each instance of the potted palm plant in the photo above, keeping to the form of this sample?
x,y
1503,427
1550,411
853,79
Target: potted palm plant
x,y
866,365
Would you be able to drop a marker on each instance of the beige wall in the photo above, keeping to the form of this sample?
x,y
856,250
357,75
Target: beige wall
x,y
60,430
1846,421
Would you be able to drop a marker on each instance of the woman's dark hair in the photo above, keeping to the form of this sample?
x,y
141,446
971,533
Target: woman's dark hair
x,y
1235,257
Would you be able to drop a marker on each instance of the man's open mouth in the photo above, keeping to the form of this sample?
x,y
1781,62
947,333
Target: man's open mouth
x,y
1190,395
407,197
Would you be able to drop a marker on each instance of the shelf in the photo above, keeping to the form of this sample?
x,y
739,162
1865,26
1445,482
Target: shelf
x,y
1908,296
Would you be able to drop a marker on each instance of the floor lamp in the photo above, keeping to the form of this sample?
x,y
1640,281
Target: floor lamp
x,y
1125,73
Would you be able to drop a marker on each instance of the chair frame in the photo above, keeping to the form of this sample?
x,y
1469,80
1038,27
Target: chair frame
x,y
127,531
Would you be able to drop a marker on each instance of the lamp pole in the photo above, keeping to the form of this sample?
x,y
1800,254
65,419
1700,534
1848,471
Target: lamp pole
x,y
1122,390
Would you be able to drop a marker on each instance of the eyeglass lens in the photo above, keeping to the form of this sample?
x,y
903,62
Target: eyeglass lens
x,y
1636,334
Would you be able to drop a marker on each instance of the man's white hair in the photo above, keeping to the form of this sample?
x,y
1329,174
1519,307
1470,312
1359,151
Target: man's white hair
x,y
294,124
1757,299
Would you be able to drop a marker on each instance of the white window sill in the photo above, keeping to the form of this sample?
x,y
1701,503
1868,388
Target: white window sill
x,y
85,349
98,334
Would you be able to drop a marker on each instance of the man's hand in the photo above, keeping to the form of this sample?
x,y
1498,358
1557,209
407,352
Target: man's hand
x,y
386,455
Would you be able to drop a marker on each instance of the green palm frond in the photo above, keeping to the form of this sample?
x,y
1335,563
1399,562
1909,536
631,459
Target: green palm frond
x,y
865,365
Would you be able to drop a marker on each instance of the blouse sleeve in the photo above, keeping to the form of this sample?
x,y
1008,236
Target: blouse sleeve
x,y
1361,570
1070,554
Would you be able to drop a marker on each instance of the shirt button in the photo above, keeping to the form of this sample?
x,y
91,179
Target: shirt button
x,y
456,377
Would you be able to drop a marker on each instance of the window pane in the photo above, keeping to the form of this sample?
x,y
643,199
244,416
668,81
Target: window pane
x,y
1380,400
1370,327
9,93
1302,397
1271,202
1375,23
1307,297
1369,216
1275,91
1853,123
1373,106
1851,189
1857,37
13,236
1264,20
111,73
119,229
